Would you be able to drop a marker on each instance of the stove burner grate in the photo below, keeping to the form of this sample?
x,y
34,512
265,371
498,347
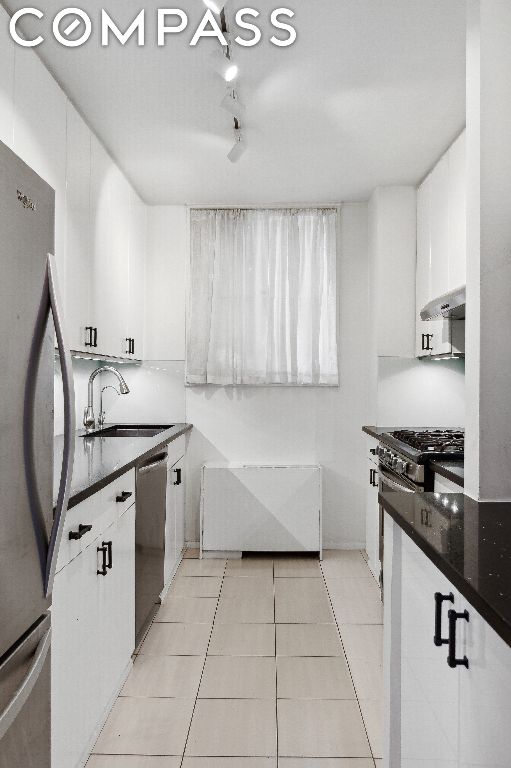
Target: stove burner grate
x,y
433,441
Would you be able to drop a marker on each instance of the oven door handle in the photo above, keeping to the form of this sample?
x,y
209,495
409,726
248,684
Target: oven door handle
x,y
395,486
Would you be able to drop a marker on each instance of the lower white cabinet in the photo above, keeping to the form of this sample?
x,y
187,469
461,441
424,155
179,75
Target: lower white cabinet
x,y
175,517
372,509
438,715
93,637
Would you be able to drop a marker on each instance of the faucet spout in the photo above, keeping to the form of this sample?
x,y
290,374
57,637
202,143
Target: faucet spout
x,y
89,420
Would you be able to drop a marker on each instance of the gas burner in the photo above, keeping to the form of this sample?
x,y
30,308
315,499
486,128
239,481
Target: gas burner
x,y
448,441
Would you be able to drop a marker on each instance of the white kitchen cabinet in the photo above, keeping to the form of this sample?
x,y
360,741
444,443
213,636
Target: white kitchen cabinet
x,y
429,688
441,249
437,715
174,522
439,227
485,697
134,329
117,606
372,509
79,265
457,213
93,635
76,674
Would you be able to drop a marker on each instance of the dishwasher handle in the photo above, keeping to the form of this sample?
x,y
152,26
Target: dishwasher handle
x,y
154,463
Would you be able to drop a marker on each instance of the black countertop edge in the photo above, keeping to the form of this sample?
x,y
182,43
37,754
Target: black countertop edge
x,y
452,470
82,487
496,611
376,432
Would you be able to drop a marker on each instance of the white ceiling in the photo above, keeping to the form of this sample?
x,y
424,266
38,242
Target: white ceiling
x,y
371,93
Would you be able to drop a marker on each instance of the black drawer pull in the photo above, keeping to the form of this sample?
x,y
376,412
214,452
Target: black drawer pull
x,y
124,496
82,530
452,661
104,566
439,600
108,545
177,481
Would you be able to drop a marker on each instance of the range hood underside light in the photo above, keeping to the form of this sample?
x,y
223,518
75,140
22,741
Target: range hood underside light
x,y
450,304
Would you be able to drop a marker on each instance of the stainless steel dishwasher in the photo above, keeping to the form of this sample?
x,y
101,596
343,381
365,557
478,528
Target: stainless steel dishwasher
x,y
151,488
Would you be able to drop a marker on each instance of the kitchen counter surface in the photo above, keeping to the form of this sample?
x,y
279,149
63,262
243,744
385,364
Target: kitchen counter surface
x,y
100,460
452,470
468,541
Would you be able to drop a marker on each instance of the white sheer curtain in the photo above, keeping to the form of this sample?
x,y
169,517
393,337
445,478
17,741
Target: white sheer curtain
x,y
262,304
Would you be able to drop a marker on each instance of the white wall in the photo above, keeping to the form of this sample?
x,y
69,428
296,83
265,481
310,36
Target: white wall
x,y
82,369
294,425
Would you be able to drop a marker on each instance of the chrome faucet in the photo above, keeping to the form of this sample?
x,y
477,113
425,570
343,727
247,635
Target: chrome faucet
x,y
89,420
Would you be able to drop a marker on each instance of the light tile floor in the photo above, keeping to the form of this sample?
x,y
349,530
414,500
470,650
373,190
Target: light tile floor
x,y
256,663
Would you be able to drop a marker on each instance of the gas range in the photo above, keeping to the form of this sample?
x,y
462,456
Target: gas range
x,y
406,453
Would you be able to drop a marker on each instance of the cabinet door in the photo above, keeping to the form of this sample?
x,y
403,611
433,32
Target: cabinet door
x,y
117,606
423,272
101,247
439,228
76,673
429,688
372,519
179,484
136,294
485,695
170,527
78,251
118,268
457,214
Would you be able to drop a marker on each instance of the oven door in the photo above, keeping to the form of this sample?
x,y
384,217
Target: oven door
x,y
390,481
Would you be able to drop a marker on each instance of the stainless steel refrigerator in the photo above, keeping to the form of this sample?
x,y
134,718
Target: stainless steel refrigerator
x,y
30,525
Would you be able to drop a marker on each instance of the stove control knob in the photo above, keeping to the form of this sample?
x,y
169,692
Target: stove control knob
x,y
394,462
401,466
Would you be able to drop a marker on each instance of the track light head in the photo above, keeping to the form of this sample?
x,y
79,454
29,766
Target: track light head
x,y
213,6
232,103
239,148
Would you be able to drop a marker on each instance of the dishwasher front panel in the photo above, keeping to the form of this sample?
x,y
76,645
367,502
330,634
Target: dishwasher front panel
x,y
151,490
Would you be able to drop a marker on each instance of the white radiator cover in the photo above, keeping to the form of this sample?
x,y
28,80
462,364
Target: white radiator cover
x,y
260,508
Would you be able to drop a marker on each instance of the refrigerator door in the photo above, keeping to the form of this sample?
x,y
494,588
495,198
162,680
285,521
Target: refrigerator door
x,y
27,233
25,701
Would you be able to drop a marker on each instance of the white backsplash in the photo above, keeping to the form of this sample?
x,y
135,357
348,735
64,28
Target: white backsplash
x,y
82,369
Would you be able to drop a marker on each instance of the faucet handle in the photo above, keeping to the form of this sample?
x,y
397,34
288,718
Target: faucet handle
x,y
89,422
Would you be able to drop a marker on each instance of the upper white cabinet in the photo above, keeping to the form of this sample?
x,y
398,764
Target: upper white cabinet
x,y
441,247
105,254
392,249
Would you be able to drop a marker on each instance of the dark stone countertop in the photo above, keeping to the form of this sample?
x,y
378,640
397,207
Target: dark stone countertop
x,y
100,460
468,541
452,470
378,431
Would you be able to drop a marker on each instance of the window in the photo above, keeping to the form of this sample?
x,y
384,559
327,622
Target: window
x,y
262,305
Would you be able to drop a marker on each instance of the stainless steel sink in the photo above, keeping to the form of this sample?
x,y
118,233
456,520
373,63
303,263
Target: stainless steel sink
x,y
130,430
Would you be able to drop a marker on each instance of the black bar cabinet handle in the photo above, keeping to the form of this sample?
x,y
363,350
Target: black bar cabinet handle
x,y
82,530
89,330
439,600
371,481
124,496
108,545
103,549
372,451
95,337
452,661
133,346
178,477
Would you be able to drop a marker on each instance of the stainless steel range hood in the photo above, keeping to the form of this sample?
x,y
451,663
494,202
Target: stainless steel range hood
x,y
451,304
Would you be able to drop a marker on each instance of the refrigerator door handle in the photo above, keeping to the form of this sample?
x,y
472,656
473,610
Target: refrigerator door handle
x,y
69,428
48,549
12,710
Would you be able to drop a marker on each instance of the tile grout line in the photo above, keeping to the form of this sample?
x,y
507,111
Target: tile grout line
x,y
203,666
347,660
276,671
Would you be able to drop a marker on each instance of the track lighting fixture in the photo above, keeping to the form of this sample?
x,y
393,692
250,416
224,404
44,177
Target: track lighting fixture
x,y
223,65
213,6
232,103
239,148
